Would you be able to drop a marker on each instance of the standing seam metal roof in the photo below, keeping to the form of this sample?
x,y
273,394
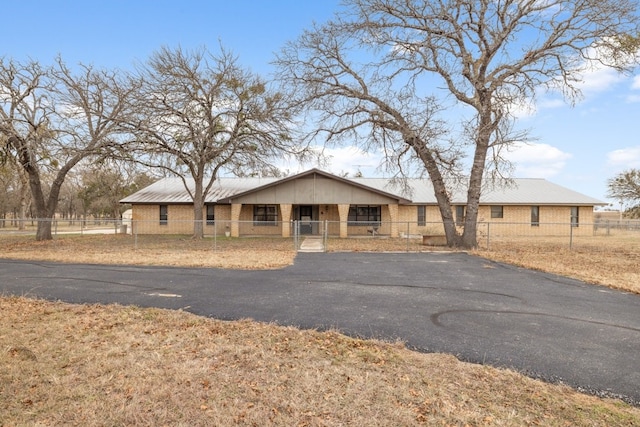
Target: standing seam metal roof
x,y
523,191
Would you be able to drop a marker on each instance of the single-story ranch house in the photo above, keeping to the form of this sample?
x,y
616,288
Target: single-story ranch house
x,y
348,206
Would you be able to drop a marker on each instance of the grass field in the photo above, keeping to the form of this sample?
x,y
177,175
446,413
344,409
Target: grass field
x,y
93,365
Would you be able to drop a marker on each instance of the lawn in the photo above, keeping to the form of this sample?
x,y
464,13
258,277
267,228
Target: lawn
x,y
90,365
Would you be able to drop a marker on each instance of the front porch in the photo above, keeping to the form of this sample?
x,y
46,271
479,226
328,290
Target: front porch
x,y
336,220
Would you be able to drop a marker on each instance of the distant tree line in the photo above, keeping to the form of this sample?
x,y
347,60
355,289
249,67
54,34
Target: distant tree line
x,y
91,191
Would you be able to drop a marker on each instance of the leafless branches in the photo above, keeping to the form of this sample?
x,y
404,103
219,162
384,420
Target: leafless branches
x,y
382,73
198,113
51,119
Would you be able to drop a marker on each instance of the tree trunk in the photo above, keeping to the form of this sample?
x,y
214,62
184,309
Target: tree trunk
x,y
470,235
198,209
22,215
43,231
440,190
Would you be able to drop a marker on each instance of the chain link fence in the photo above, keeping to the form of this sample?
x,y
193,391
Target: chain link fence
x,y
388,236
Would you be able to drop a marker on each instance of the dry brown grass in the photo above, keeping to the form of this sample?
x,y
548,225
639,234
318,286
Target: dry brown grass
x,y
246,253
612,261
96,365
63,364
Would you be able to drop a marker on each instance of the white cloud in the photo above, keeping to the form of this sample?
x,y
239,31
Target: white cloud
x,y
634,97
338,160
530,109
350,160
624,158
537,160
598,78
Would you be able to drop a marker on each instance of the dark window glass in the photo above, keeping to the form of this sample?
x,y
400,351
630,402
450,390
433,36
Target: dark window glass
x,y
460,215
535,216
422,215
368,215
575,216
164,214
211,218
265,215
497,212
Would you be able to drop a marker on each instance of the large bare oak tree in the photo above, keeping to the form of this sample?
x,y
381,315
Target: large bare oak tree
x,y
51,118
383,69
200,113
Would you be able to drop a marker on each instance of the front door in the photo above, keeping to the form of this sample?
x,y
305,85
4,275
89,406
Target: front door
x,y
305,218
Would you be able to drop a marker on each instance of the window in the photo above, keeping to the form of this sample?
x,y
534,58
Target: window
x,y
535,216
460,215
265,215
211,217
422,215
164,214
497,212
575,216
364,215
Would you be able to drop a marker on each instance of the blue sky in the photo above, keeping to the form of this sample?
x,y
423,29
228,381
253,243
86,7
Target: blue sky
x,y
578,147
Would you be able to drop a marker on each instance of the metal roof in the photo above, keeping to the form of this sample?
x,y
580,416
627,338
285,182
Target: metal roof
x,y
172,190
521,191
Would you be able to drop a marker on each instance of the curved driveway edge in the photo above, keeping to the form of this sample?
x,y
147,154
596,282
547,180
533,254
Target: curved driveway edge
x,y
546,326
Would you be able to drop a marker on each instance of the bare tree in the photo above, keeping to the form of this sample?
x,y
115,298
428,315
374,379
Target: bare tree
x,y
384,69
625,187
52,119
200,113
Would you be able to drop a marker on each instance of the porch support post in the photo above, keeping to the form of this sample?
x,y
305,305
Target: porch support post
x,y
393,217
235,219
285,211
343,212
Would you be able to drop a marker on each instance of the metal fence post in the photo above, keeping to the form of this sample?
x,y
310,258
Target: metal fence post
x,y
215,236
408,224
570,236
488,235
326,235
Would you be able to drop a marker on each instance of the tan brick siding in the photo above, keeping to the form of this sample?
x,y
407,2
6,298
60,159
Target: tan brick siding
x,y
554,220
146,219
516,220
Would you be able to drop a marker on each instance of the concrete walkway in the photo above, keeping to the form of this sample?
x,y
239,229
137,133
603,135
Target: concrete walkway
x,y
312,244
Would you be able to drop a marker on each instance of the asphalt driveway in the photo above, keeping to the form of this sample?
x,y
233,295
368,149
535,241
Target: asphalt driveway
x,y
546,326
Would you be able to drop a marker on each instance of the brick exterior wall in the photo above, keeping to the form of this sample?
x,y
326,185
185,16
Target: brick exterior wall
x,y
397,220
516,220
146,219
